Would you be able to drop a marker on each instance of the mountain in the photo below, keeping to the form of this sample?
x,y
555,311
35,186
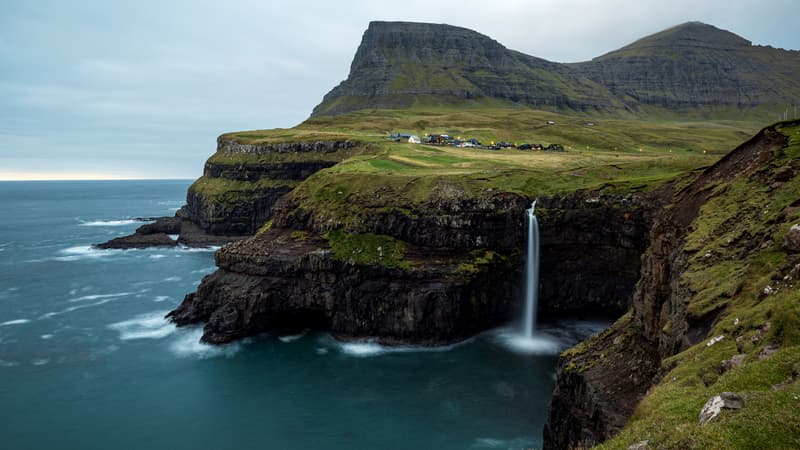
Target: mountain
x,y
693,65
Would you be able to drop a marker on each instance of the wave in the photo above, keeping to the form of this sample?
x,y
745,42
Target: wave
x,y
111,223
84,252
188,345
370,347
14,322
77,307
99,296
210,248
291,337
161,298
145,326
503,443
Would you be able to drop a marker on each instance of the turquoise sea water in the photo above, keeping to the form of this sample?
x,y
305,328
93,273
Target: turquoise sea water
x,y
88,362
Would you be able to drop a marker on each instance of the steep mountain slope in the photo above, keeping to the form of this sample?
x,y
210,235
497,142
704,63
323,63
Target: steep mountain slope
x,y
399,64
694,65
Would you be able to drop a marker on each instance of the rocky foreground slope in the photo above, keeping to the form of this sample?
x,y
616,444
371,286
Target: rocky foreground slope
x,y
717,309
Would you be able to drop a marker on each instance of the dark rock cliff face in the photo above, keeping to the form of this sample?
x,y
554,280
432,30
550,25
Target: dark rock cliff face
x,y
272,282
591,246
463,271
242,182
692,65
596,394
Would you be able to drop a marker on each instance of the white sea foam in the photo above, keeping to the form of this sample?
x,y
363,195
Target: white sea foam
x,y
173,279
174,237
205,270
46,336
40,362
210,248
291,337
4,363
145,326
110,223
84,252
161,298
549,339
14,322
99,296
188,344
538,344
367,348
502,443
157,256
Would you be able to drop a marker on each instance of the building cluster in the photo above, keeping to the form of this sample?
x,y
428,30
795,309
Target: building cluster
x,y
444,139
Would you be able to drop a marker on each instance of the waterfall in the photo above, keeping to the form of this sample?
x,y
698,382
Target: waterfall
x,y
531,271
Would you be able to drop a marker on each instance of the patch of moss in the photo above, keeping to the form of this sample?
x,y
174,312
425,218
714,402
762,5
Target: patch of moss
x,y
221,187
264,228
479,259
368,249
299,236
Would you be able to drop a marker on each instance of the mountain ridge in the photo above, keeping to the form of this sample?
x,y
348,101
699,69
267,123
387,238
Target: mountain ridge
x,y
690,66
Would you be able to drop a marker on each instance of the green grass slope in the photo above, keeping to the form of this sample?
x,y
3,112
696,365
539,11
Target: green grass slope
x,y
758,292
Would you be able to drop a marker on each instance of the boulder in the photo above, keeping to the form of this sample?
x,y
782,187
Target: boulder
x,y
791,240
643,445
732,363
715,405
784,173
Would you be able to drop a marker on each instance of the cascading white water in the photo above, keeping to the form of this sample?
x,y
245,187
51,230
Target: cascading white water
x,y
531,271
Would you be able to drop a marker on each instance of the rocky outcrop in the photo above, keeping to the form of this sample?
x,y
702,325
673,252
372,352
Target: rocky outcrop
x,y
791,240
155,234
595,395
276,282
243,181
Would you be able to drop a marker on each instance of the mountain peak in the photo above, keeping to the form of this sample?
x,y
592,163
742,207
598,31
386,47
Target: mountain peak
x,y
689,35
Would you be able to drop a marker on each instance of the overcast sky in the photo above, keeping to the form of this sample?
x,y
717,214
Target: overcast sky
x,y
98,89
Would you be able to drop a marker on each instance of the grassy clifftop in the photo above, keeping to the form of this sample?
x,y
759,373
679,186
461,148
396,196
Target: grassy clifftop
x,y
620,154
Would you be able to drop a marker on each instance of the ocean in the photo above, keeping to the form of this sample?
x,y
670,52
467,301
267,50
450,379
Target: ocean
x,y
87,360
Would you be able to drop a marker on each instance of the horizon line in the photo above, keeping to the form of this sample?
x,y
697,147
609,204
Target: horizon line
x,y
15,180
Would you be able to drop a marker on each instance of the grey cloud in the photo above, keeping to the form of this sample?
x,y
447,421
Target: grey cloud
x,y
143,88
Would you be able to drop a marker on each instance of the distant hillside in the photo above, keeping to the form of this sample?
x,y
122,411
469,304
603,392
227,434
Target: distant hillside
x,y
401,64
695,64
